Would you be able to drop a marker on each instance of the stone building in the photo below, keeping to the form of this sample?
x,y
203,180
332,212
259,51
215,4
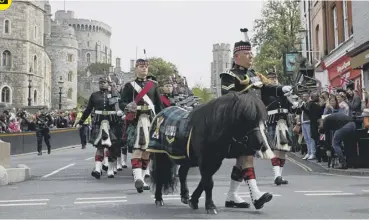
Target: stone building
x,y
42,52
221,62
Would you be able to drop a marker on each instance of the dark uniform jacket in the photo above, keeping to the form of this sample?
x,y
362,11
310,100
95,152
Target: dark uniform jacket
x,y
99,100
230,82
128,94
43,121
167,100
276,103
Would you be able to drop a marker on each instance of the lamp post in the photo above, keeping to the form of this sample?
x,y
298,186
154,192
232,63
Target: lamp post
x,y
29,88
60,83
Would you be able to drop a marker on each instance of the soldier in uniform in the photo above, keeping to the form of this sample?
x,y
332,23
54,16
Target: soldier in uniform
x,y
277,110
241,78
43,121
140,100
104,125
166,90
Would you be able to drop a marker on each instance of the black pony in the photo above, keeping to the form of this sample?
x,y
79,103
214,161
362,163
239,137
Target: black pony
x,y
200,138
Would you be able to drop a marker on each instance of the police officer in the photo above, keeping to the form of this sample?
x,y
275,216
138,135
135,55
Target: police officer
x,y
43,121
242,78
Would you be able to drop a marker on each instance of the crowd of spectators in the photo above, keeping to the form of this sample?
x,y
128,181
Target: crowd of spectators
x,y
19,120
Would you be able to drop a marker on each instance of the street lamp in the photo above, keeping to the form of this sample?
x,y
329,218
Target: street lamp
x,y
29,88
60,83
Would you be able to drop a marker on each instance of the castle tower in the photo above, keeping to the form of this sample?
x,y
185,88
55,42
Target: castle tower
x,y
47,20
221,62
93,39
62,47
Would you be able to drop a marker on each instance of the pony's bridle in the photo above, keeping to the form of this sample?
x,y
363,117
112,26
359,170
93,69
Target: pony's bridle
x,y
245,138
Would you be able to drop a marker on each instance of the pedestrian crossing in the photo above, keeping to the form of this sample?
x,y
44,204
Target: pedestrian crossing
x,y
109,200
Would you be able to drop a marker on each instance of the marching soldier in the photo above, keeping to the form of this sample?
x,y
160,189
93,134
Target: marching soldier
x,y
43,121
277,111
104,125
241,78
141,101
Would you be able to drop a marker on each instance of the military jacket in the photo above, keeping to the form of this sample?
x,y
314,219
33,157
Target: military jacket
x,y
231,81
167,100
128,94
44,120
99,100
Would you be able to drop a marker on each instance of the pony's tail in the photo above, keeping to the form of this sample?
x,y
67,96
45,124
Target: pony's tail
x,y
163,173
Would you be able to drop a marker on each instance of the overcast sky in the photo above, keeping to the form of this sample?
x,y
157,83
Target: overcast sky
x,y
181,32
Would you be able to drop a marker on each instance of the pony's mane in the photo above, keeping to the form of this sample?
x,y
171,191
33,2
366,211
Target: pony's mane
x,y
220,116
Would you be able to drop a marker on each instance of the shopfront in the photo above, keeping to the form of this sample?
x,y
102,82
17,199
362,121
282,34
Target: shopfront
x,y
342,68
361,61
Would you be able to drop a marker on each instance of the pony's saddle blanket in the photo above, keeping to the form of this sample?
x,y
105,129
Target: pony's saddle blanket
x,y
169,132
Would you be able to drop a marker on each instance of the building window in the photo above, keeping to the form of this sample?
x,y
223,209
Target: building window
x,y
87,85
70,57
345,20
88,57
7,58
317,42
35,32
35,63
5,94
35,97
88,43
6,26
69,94
70,76
335,25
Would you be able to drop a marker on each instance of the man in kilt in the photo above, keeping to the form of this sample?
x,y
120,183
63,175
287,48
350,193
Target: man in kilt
x,y
277,110
141,101
241,78
104,125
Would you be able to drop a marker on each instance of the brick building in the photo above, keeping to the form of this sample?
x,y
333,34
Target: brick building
x,y
330,36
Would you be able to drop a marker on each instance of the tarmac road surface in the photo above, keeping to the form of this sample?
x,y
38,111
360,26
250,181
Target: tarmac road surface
x,y
62,187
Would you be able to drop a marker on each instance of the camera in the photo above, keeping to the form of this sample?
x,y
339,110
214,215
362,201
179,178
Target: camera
x,y
5,2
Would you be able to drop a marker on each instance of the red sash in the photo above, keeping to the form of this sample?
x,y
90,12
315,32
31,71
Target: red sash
x,y
130,116
165,101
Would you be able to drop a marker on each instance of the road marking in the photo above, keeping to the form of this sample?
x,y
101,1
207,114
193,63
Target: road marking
x,y
304,167
168,196
99,202
58,170
173,198
21,204
347,176
25,200
328,194
90,158
365,190
318,191
96,198
248,196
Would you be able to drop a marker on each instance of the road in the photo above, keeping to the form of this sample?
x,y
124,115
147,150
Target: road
x,y
61,188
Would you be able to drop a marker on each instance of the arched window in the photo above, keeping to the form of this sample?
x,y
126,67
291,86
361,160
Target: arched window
x,y
6,26
35,63
35,97
69,94
88,57
5,94
7,58
70,76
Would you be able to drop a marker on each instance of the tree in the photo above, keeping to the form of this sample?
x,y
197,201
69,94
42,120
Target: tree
x,y
276,34
98,68
161,68
204,94
81,101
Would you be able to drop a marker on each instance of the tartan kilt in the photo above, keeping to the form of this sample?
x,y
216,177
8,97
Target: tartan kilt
x,y
95,128
131,133
173,132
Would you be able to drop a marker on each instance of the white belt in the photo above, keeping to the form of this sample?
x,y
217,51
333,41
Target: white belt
x,y
277,111
143,107
99,112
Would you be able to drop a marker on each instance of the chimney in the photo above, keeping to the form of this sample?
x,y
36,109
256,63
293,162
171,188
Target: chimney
x,y
132,65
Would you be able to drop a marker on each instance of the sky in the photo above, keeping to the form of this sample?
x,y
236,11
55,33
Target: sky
x,y
181,32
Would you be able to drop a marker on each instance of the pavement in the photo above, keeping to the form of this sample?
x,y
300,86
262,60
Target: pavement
x,y
323,166
61,187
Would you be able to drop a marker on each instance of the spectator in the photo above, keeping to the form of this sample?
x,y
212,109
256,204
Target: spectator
x,y
14,126
343,106
332,106
354,100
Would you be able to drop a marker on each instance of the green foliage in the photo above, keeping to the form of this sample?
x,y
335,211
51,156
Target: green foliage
x,y
81,101
98,68
161,68
276,34
204,94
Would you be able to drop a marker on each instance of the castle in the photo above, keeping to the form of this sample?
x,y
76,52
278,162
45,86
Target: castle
x,y
40,55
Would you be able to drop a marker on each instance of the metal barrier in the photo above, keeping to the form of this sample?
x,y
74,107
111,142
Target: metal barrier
x,y
26,142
